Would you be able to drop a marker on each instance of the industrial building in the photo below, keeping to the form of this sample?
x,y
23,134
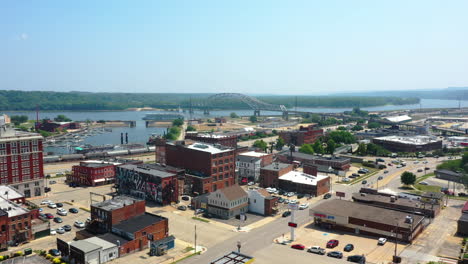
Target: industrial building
x,y
365,219
148,182
93,173
408,144
328,164
21,164
304,135
269,174
225,140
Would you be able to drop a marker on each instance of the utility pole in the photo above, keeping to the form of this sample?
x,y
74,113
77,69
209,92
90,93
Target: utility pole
x,y
195,239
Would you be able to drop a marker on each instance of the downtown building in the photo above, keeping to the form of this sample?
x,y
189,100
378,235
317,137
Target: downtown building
x,y
21,164
207,167
304,135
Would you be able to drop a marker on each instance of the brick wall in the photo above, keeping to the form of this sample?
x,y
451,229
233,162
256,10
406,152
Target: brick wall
x,y
269,178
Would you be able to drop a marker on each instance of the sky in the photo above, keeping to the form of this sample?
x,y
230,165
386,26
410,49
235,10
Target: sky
x,y
257,47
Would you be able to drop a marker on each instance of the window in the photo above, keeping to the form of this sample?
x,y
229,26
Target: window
x,y
2,146
24,143
26,185
3,152
35,148
34,142
36,184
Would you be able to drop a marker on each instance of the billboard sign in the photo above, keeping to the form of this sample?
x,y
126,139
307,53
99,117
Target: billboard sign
x,y
340,194
291,224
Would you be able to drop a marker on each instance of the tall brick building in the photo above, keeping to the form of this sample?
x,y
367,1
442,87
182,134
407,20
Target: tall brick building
x,y
269,174
21,164
93,173
212,166
305,135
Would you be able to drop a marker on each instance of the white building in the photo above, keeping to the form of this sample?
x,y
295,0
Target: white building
x,y
261,202
248,164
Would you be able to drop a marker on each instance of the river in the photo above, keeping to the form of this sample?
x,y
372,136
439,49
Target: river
x,y
140,133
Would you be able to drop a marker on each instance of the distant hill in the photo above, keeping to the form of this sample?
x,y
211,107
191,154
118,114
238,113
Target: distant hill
x,y
450,93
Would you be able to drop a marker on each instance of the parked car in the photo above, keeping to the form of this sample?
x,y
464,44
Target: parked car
x,y
67,228
42,215
286,201
53,232
382,241
380,178
79,224
346,180
54,252
303,206
199,211
49,216
361,259
185,198
294,201
73,210
298,246
332,243
364,182
316,250
61,211
52,205
380,160
207,215
58,220
355,175
361,172
290,194
46,202
327,196
390,164
423,183
385,171
348,248
286,214
182,208
335,254
280,200
60,230
300,196
52,182
462,194
420,170
59,204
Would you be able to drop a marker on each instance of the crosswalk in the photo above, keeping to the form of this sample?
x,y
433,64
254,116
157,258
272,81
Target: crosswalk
x,y
448,261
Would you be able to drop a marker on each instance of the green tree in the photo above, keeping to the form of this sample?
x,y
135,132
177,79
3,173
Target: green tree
x,y
191,128
464,180
62,118
234,115
279,143
342,128
318,148
342,137
260,144
253,119
373,125
331,146
178,122
357,128
408,178
19,119
362,149
307,149
464,159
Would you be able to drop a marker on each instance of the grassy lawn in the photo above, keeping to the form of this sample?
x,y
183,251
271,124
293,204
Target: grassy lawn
x,y
200,219
422,178
427,188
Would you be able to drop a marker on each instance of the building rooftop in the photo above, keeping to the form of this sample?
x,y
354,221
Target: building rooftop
x,y
137,223
305,156
7,133
212,136
363,211
233,192
276,166
398,119
233,258
9,193
85,246
414,140
113,238
151,169
104,244
448,172
11,208
116,203
98,163
369,198
213,149
252,154
302,178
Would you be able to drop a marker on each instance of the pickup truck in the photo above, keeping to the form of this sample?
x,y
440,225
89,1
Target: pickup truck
x,y
316,250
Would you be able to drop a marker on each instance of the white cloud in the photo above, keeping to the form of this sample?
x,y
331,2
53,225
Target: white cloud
x,y
24,36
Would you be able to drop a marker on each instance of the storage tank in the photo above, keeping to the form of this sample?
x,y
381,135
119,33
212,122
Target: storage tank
x,y
117,152
72,157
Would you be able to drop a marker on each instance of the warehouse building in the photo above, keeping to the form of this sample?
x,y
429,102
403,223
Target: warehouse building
x,y
269,174
448,175
299,182
408,144
364,219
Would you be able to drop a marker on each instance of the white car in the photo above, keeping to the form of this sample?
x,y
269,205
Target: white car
x,y
424,183
79,224
52,205
46,202
251,183
293,201
382,241
303,206
60,230
61,211
53,232
346,180
290,194
316,250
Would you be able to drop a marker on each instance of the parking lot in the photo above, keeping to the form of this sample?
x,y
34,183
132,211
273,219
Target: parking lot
x,y
68,219
311,235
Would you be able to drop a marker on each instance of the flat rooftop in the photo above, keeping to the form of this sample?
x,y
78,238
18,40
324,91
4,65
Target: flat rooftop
x,y
139,222
363,211
276,166
209,148
302,178
11,208
397,119
85,246
253,154
9,193
10,134
212,136
367,197
96,163
116,203
305,156
153,170
414,140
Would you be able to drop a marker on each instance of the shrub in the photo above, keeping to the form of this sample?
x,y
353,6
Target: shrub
x,y
56,261
1,258
48,256
18,253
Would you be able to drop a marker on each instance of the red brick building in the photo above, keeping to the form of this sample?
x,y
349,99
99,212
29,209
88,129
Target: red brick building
x,y
15,224
269,174
52,126
204,161
339,165
108,213
299,182
225,140
93,173
21,164
305,135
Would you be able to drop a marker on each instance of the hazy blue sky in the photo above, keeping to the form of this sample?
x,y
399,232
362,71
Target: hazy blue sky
x,y
281,47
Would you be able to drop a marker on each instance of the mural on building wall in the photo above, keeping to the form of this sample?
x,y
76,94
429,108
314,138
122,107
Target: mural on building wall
x,y
143,186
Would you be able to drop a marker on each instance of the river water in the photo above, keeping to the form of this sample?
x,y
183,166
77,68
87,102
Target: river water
x,y
140,133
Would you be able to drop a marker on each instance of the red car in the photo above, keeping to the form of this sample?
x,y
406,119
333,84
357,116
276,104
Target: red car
x,y
332,243
298,246
50,216
390,164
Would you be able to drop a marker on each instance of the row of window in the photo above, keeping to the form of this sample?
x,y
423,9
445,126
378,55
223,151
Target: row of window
x,y
23,143
220,177
23,157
